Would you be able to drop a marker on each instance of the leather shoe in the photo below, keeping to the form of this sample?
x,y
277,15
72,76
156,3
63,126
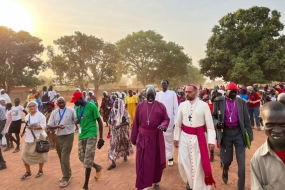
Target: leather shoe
x,y
225,175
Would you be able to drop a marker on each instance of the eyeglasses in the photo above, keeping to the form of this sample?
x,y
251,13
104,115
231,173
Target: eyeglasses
x,y
32,106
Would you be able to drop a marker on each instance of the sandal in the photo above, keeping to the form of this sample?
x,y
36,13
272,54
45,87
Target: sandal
x,y
39,174
27,174
111,167
98,173
16,150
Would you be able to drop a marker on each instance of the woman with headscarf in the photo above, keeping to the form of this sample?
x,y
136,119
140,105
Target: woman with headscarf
x,y
105,107
92,98
51,136
120,145
36,122
243,94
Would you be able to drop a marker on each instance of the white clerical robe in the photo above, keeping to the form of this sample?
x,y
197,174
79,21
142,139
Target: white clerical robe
x,y
189,157
169,100
6,97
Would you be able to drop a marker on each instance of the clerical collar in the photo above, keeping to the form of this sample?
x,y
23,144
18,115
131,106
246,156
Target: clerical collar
x,y
230,99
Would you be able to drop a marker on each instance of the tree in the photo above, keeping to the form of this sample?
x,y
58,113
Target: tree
x,y
84,56
146,55
20,60
246,47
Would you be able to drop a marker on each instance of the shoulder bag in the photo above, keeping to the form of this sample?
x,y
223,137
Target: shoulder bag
x,y
42,146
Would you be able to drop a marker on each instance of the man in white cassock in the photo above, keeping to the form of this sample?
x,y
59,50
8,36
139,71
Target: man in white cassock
x,y
194,121
169,99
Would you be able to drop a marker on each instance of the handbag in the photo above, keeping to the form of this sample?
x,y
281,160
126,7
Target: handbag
x,y
42,146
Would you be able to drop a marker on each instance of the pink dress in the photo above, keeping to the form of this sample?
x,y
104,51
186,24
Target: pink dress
x,y
8,121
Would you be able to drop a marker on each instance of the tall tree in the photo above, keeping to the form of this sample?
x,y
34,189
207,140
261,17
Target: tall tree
x,y
246,47
146,55
84,56
20,60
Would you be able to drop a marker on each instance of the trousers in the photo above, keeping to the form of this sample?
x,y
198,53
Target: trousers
x,y
64,145
234,138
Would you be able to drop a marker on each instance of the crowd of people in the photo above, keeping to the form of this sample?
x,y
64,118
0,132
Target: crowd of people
x,y
190,118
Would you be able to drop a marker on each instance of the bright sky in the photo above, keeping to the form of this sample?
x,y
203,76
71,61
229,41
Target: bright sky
x,y
186,22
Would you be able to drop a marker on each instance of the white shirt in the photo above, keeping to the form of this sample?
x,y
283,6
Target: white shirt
x,y
169,100
39,119
6,97
201,115
68,119
51,95
16,112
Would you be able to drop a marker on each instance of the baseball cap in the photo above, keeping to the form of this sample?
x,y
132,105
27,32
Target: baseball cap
x,y
76,95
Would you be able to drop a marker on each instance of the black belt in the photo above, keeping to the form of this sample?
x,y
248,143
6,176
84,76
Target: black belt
x,y
231,127
64,135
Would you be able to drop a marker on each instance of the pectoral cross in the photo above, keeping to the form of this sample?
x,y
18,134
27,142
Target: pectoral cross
x,y
230,119
147,122
189,117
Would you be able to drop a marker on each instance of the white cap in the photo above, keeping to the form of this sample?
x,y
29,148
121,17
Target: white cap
x,y
2,90
2,99
221,91
78,89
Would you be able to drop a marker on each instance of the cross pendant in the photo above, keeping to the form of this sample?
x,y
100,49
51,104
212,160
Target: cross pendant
x,y
147,122
230,119
189,117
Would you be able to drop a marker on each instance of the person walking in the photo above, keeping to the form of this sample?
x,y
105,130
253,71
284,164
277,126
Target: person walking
x,y
254,107
169,99
15,126
36,123
150,121
105,108
7,126
62,121
87,114
233,125
45,99
131,104
195,117
51,136
4,95
120,145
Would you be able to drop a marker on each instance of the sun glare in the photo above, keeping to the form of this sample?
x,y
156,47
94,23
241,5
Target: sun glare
x,y
14,15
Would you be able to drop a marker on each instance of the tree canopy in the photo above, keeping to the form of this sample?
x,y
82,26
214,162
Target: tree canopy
x,y
246,47
20,60
84,56
149,57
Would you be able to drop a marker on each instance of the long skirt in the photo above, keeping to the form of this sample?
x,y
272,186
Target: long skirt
x,y
120,144
30,156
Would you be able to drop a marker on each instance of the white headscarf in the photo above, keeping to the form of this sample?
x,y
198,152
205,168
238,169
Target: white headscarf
x,y
105,92
78,89
120,111
91,91
33,102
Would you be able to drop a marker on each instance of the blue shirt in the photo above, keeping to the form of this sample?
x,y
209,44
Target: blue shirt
x,y
244,96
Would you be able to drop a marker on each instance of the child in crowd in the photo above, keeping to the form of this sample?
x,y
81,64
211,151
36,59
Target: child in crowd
x,y
268,162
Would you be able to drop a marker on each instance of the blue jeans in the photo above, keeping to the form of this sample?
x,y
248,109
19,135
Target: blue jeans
x,y
254,113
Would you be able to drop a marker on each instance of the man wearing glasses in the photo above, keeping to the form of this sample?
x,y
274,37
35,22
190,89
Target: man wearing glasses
x,y
63,120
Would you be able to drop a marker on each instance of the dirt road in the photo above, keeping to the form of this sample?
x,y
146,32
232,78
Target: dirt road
x,y
121,178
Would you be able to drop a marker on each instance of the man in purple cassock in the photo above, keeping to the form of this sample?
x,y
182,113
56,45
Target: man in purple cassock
x,y
150,121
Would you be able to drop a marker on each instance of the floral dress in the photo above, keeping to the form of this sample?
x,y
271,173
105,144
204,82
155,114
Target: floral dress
x,y
120,144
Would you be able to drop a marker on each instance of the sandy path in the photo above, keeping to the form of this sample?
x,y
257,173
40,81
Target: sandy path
x,y
121,178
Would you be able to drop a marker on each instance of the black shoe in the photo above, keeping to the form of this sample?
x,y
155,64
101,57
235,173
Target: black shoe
x,y
3,166
225,175
187,186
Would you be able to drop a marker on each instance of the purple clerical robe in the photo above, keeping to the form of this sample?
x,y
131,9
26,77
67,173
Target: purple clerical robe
x,y
148,140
